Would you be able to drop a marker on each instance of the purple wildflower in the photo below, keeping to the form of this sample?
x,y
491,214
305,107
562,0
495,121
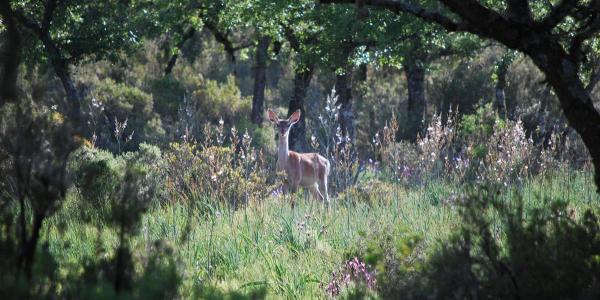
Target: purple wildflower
x,y
352,271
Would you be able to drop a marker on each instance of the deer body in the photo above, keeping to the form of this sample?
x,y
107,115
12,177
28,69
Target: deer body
x,y
307,170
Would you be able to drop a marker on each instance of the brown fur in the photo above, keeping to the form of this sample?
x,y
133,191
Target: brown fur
x,y
307,170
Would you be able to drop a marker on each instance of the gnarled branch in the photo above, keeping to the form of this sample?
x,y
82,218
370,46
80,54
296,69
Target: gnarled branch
x,y
49,8
558,14
414,9
186,36
519,11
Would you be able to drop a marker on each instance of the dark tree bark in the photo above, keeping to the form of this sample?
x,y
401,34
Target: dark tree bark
x,y
500,102
303,73
10,55
502,106
361,74
186,36
57,60
302,78
61,68
223,37
260,79
558,56
26,258
343,86
415,78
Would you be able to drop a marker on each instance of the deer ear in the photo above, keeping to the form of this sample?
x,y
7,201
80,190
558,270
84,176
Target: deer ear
x,y
295,117
272,116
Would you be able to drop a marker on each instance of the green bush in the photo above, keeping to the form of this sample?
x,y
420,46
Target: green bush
x,y
102,179
212,101
479,126
503,250
117,102
96,174
168,94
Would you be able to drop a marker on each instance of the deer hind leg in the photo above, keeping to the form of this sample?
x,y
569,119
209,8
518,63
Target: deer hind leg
x,y
314,191
322,185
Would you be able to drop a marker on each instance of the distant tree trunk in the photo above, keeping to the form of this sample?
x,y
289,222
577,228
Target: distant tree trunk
x,y
343,86
10,55
361,73
501,70
359,86
186,36
260,71
302,78
29,245
415,76
61,68
542,113
500,92
59,63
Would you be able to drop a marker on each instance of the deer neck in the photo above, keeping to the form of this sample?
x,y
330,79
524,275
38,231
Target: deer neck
x,y
283,152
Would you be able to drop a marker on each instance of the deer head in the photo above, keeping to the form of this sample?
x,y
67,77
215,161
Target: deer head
x,y
283,125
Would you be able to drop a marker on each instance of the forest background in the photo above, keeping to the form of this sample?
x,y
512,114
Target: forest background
x,y
137,161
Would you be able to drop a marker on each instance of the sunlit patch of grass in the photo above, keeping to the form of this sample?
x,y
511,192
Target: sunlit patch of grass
x,y
290,250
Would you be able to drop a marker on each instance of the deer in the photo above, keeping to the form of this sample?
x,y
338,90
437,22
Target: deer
x,y
307,170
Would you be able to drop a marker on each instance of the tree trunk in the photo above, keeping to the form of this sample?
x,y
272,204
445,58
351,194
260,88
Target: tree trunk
x,y
29,245
359,79
302,78
260,71
10,55
415,77
61,68
500,91
577,105
361,73
343,86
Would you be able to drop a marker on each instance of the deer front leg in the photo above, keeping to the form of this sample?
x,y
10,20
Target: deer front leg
x,y
290,188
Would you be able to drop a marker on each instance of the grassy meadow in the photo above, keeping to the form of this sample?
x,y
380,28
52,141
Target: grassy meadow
x,y
275,249
140,143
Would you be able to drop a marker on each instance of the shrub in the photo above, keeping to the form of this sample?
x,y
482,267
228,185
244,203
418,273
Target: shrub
x,y
95,173
213,101
100,179
504,250
212,174
168,94
116,103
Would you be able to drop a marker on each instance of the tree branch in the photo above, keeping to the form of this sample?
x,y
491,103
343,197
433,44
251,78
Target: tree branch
x,y
594,79
580,37
49,8
474,13
519,11
558,14
291,37
413,9
222,38
186,36
28,23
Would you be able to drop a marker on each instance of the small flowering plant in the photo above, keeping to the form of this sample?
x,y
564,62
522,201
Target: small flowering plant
x,y
352,272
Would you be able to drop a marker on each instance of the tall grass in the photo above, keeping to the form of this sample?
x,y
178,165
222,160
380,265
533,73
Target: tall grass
x,y
220,219
288,251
